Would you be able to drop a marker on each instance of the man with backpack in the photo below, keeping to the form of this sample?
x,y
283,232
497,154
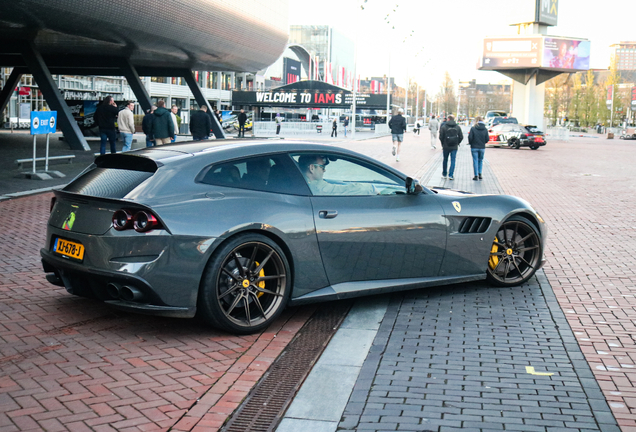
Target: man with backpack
x,y
450,135
397,124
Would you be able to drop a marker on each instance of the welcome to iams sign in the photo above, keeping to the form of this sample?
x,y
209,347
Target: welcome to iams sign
x,y
308,94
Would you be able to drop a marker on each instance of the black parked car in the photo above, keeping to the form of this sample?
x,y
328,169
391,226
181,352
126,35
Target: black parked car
x,y
516,136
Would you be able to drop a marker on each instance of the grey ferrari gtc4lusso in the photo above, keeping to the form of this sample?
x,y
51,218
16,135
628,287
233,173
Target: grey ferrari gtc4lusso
x,y
235,232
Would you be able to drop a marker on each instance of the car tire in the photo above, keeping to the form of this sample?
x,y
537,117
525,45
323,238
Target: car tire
x,y
515,254
534,147
245,285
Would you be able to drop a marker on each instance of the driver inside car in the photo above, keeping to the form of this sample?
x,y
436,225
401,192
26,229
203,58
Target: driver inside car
x,y
314,167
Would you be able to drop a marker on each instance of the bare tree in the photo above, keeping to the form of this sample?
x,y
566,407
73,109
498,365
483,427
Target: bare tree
x,y
446,95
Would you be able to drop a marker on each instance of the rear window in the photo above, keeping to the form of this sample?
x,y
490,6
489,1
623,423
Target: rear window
x,y
534,129
271,173
107,182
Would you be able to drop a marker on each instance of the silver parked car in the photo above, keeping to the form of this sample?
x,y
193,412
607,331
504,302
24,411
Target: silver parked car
x,y
237,231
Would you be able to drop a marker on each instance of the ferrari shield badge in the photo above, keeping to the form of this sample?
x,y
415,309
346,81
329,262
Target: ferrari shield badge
x,y
69,221
457,206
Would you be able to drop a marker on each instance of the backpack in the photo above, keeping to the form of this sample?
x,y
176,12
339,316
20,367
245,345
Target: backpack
x,y
452,137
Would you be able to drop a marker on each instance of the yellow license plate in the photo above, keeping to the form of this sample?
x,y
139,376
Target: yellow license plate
x,y
68,249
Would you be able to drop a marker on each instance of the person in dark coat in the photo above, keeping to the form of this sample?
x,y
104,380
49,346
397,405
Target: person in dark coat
x,y
334,128
162,124
105,116
200,124
242,118
146,126
397,124
477,138
450,135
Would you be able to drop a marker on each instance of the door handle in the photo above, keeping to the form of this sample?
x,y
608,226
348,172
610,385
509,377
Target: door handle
x,y
327,214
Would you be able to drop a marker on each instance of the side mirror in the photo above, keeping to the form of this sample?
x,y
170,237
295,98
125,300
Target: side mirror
x,y
412,186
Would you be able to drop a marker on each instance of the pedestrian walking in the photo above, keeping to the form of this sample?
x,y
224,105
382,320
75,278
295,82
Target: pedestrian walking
x,y
242,118
176,120
477,139
105,116
450,135
397,124
146,126
433,127
345,123
162,124
278,120
418,125
126,123
200,124
219,116
334,128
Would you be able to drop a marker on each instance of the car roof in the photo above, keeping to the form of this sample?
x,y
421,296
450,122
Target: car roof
x,y
214,151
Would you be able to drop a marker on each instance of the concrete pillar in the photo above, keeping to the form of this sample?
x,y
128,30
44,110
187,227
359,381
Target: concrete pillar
x,y
201,100
50,90
136,85
9,87
528,101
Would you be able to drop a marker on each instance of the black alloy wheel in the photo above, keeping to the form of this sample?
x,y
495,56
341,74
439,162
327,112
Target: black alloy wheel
x,y
516,253
534,147
246,284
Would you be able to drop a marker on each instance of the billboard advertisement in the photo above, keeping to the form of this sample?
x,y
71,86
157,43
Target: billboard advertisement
x,y
566,54
291,68
633,98
526,52
512,53
610,96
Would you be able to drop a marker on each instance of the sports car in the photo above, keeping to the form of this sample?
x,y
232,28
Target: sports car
x,y
516,136
235,232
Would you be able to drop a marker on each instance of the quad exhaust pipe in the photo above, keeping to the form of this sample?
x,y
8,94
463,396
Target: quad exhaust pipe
x,y
125,292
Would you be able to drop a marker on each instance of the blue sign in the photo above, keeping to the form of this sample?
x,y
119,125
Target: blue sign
x,y
43,122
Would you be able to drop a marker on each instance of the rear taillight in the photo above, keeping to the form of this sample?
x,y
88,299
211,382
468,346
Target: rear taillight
x,y
139,220
122,220
144,221
52,204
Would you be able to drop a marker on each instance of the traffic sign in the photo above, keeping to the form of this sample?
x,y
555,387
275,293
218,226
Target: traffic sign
x,y
43,122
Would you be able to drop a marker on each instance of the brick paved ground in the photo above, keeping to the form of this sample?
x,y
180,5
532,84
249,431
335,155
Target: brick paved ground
x,y
68,363
585,190
456,357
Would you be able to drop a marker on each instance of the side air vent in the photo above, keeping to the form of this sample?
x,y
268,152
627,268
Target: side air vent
x,y
474,225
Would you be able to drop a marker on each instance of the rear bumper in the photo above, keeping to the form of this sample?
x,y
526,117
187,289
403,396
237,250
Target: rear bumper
x,y
85,281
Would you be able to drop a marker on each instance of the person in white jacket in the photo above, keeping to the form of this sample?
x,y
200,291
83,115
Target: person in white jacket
x,y
126,123
173,114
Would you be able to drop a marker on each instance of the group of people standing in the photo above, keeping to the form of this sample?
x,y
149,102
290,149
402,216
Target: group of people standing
x,y
450,137
160,124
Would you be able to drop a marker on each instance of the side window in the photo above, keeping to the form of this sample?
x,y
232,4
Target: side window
x,y
331,174
272,173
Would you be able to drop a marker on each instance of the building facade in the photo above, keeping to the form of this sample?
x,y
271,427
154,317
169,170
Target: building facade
x,y
334,50
624,56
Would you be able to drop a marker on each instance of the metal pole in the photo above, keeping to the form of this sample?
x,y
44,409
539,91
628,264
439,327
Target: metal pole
x,y
406,93
34,153
417,103
388,92
46,159
355,78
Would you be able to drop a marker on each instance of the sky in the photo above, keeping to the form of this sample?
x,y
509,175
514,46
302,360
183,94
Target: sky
x,y
427,38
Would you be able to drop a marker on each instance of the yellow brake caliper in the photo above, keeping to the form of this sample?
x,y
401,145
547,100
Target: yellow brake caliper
x,y
261,284
494,260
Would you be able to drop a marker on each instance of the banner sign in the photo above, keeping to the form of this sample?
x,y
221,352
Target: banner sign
x,y
292,70
308,94
610,96
43,122
633,98
525,52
